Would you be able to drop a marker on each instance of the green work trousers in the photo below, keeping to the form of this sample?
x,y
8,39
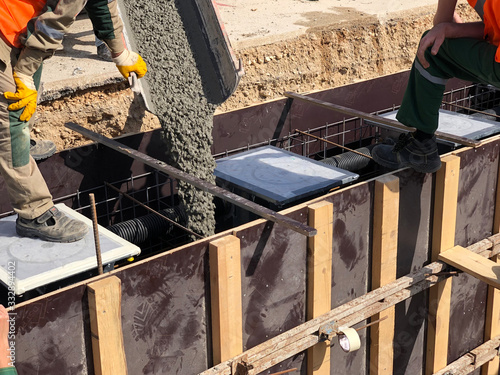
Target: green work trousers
x,y
465,58
28,192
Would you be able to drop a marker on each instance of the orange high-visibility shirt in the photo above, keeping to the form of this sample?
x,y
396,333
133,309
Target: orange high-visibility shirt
x,y
14,18
489,10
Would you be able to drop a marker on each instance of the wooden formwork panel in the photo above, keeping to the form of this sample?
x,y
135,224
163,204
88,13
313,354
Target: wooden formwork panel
x,y
352,217
475,213
274,261
415,212
165,306
53,334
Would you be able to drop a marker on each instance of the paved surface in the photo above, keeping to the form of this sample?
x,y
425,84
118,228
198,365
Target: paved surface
x,y
248,23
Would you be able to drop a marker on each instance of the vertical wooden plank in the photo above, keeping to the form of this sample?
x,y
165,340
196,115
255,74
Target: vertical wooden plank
x,y
492,327
319,280
384,267
443,238
225,287
105,298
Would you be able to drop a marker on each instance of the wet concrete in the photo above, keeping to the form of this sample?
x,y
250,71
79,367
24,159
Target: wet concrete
x,y
180,96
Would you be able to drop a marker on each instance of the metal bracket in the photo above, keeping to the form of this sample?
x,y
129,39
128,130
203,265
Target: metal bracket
x,y
328,331
240,368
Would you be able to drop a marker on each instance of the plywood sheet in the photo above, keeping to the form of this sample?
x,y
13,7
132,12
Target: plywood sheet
x,y
53,335
164,313
351,263
413,252
273,283
476,196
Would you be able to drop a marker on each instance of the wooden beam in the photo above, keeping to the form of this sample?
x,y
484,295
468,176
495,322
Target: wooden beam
x,y
105,298
384,264
319,280
492,325
474,359
443,238
225,287
474,264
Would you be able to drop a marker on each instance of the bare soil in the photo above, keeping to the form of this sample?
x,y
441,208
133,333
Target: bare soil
x,y
325,57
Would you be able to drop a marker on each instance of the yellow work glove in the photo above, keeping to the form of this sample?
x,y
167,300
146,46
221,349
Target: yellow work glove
x,y
24,97
128,62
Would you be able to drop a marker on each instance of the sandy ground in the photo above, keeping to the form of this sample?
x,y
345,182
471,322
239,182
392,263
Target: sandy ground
x,y
285,45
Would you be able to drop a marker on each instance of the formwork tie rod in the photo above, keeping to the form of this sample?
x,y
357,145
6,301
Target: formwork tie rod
x,y
206,186
378,120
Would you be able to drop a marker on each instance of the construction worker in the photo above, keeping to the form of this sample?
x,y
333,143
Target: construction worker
x,y
468,51
31,31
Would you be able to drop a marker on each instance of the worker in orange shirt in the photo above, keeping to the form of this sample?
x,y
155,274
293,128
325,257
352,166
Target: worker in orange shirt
x,y
469,51
30,32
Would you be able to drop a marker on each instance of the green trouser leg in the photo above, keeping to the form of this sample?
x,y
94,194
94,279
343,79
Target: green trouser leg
x,y
463,58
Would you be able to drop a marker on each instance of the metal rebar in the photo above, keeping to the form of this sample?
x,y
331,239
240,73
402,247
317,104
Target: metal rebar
x,y
333,143
378,120
283,372
471,109
206,186
371,323
151,210
96,234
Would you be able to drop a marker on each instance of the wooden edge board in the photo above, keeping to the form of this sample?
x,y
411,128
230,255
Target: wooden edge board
x,y
474,264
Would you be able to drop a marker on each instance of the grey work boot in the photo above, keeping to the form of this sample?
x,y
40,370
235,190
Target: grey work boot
x,y
42,149
422,156
53,226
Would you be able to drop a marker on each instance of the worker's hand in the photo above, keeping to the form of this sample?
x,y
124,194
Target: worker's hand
x,y
128,62
24,97
434,38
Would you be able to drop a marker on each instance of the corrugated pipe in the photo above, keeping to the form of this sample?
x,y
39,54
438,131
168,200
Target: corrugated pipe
x,y
350,161
150,226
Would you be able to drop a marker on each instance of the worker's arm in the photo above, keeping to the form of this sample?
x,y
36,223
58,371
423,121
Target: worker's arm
x,y
107,24
445,11
45,35
108,27
436,36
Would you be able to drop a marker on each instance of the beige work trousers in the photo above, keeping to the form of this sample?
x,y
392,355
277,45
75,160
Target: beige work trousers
x,y
28,192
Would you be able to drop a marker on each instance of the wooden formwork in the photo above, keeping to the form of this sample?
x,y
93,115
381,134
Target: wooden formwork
x,y
186,310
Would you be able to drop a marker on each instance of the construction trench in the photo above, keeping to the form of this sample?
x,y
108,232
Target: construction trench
x,y
272,295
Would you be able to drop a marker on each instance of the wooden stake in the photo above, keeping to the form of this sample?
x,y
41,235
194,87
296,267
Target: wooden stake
x,y
443,238
492,325
225,286
319,280
384,263
105,298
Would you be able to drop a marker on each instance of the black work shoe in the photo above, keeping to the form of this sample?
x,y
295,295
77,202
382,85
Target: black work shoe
x,y
53,226
42,149
422,156
104,53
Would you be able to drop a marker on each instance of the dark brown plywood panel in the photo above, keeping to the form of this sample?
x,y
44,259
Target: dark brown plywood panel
x,y
164,313
273,283
352,221
413,252
53,335
476,197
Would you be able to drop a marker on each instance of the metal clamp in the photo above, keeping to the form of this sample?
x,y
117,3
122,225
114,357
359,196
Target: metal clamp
x,y
328,331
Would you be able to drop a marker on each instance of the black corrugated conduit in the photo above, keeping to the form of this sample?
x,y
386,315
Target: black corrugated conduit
x,y
150,226
350,161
